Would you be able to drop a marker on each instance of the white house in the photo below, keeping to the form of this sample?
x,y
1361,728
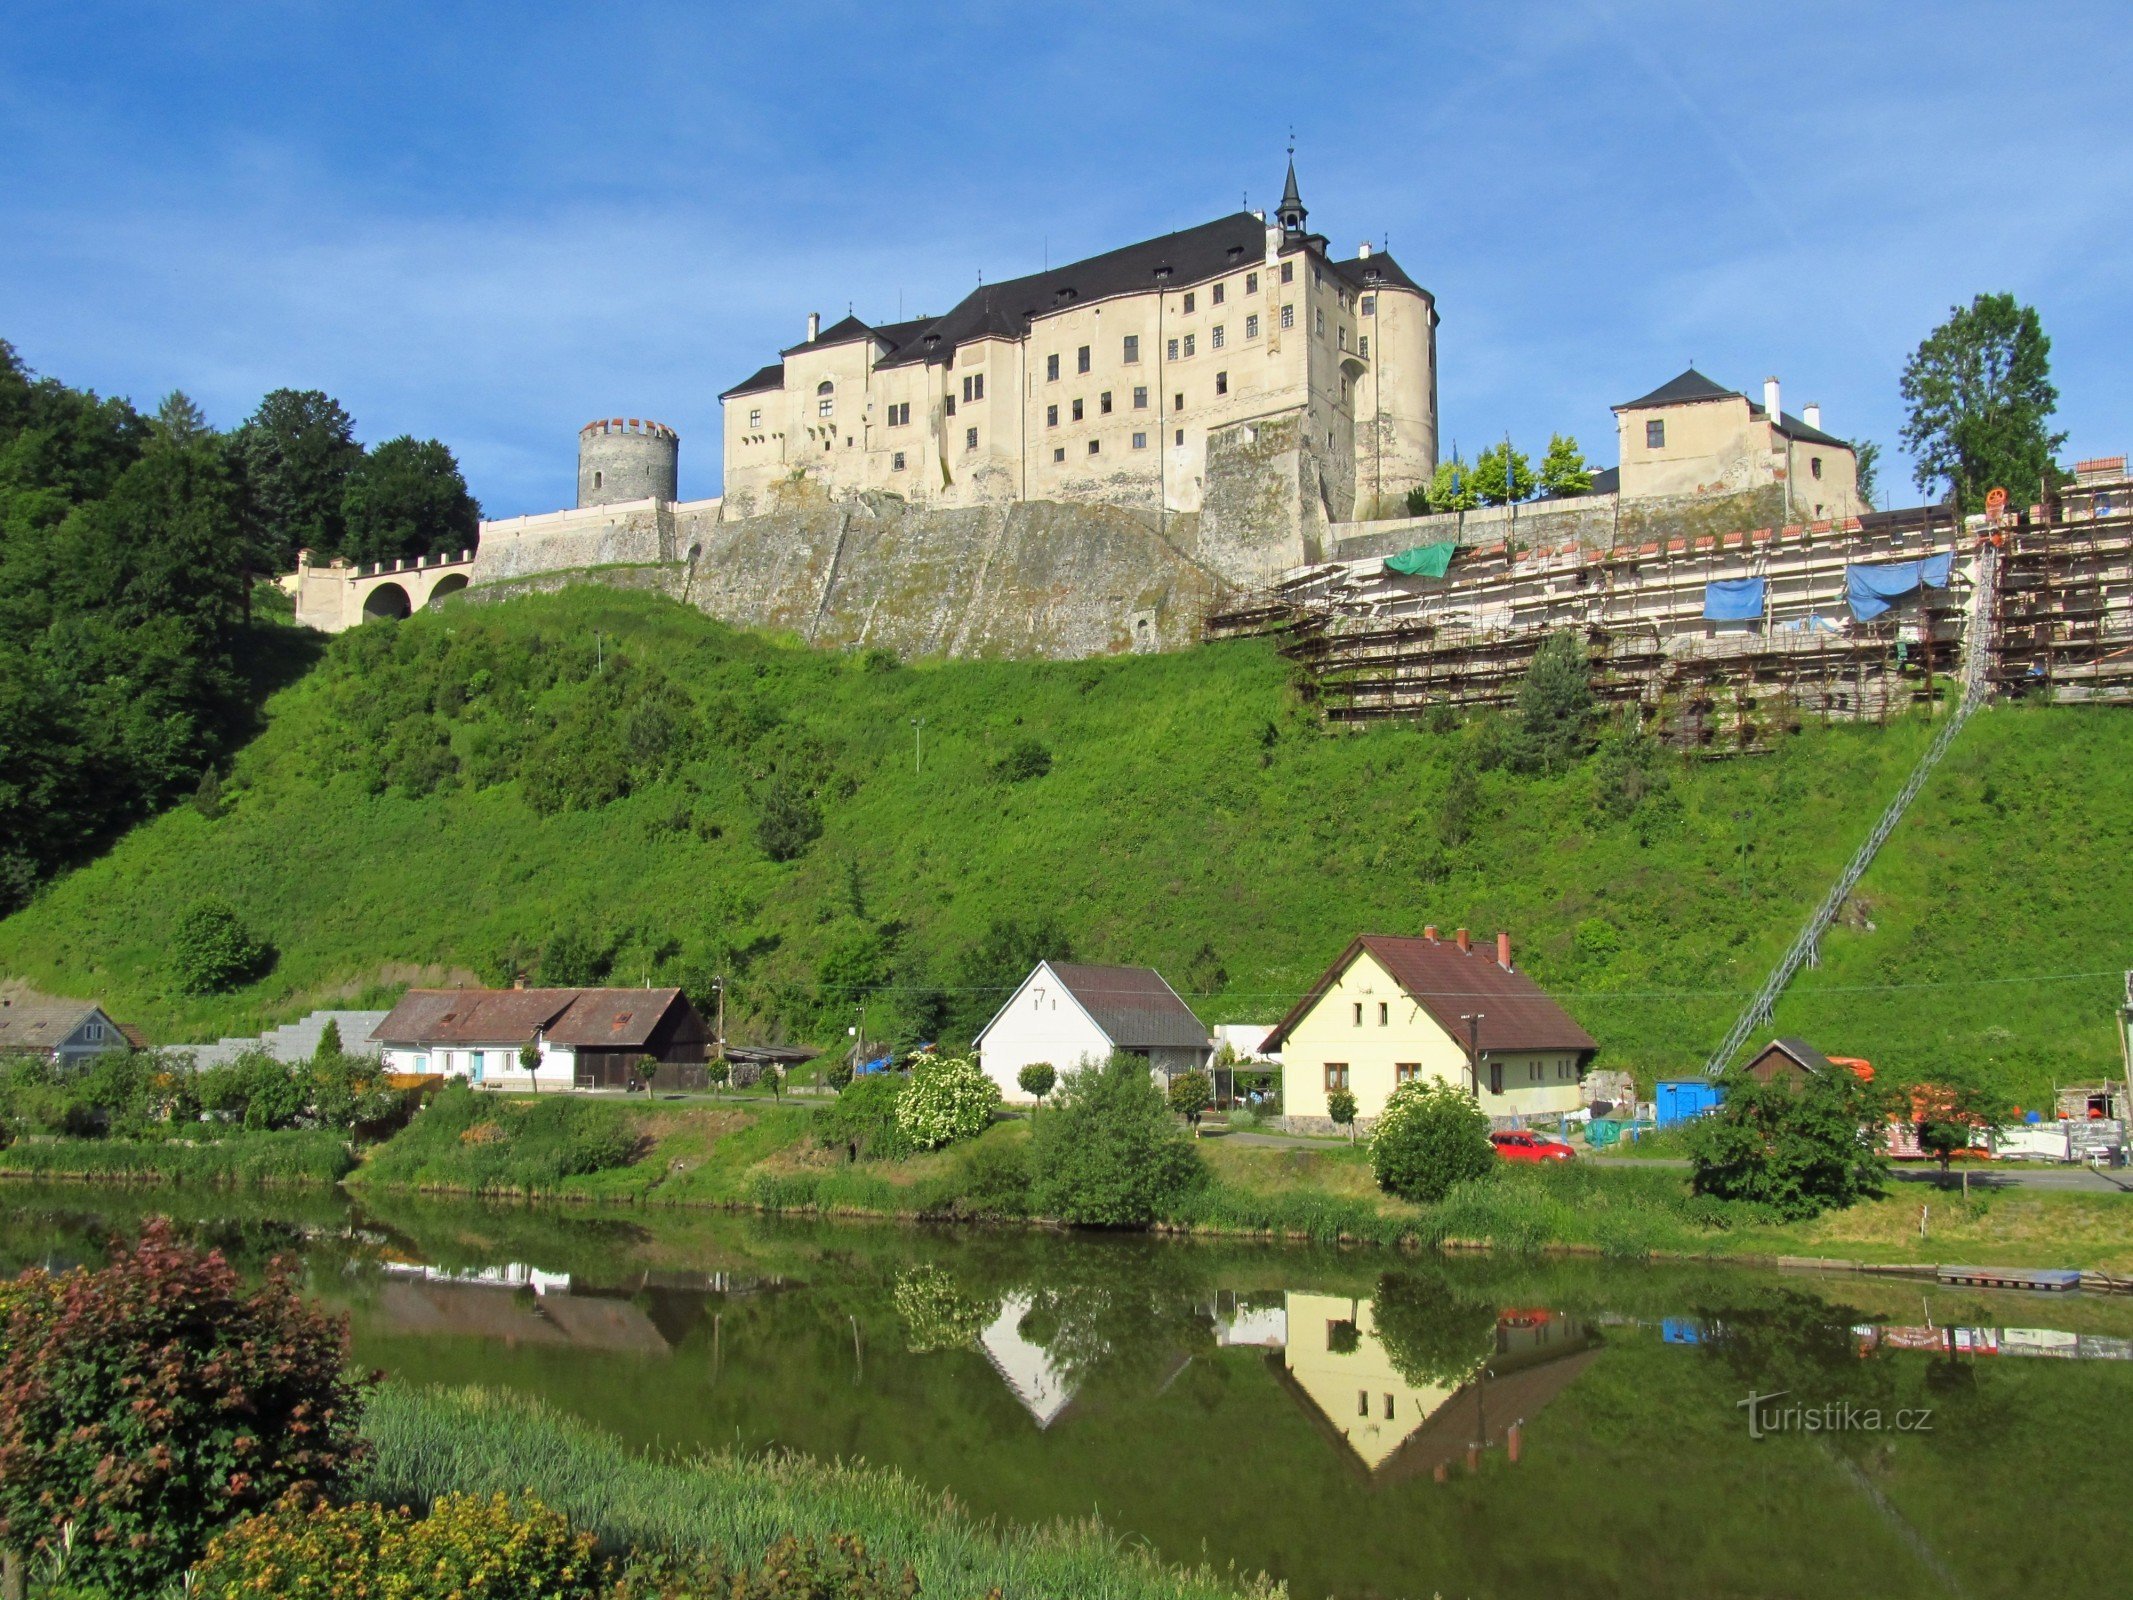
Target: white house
x,y
66,1033
1073,1015
593,1038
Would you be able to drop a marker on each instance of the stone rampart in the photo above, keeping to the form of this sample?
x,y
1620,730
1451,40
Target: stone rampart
x,y
1595,521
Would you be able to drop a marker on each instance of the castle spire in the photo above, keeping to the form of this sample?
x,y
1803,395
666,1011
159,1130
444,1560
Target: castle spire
x,y
1290,213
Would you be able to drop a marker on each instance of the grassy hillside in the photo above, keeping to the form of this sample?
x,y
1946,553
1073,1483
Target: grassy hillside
x,y
576,784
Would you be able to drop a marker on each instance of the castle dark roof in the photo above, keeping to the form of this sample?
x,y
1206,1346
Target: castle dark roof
x,y
1692,386
770,377
1377,271
848,331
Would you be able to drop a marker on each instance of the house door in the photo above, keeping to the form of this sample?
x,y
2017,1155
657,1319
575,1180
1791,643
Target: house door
x,y
474,1065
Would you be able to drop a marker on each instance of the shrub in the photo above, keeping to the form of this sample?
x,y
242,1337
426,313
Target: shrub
x,y
792,1569
1191,1093
1797,1150
1038,1079
717,1071
992,1179
488,1545
1341,1110
838,1074
211,950
948,1098
151,1401
1431,1136
1554,706
863,1119
1110,1156
786,821
1026,759
329,1041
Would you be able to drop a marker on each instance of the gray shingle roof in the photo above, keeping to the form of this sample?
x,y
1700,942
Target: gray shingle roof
x,y
1135,1008
41,1024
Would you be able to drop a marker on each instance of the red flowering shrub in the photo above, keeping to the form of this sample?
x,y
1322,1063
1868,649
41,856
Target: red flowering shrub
x,y
152,1401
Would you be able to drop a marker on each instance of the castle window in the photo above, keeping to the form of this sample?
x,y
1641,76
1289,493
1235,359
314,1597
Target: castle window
x,y
1814,465
1655,434
896,462
1215,294
1095,446
1222,383
1140,397
1103,403
1344,388
1051,369
596,478
1363,347
1319,321
1370,305
1188,301
755,417
1077,410
1251,283
1081,359
1288,316
1140,441
1177,402
970,438
1059,453
1051,416
1251,326
1173,349
974,386
900,414
1133,348
1181,436
1215,339
826,407
1288,272
1189,338
951,406
1344,336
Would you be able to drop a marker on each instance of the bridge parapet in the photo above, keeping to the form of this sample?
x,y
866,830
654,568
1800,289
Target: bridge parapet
x,y
341,594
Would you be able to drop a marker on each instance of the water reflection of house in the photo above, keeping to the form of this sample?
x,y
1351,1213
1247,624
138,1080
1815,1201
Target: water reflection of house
x,y
512,1305
1392,1428
1251,1320
1025,1366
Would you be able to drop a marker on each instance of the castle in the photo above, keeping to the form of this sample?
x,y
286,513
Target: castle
x,y
1123,379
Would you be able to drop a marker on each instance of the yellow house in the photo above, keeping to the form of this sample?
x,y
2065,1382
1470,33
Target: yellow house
x,y
1393,1009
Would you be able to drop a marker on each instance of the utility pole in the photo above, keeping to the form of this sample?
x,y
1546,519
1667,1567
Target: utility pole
x,y
719,1027
1472,1019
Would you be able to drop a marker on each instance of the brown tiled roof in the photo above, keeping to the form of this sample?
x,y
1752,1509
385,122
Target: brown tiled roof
x,y
1448,983
1135,1008
472,1016
612,1017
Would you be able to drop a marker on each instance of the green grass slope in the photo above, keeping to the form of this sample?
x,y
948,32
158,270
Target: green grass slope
x,y
573,783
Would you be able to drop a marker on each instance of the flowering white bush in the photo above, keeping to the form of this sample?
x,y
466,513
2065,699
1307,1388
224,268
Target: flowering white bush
x,y
948,1098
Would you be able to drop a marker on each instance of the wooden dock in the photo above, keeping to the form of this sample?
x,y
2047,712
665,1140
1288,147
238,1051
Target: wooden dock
x,y
2047,1280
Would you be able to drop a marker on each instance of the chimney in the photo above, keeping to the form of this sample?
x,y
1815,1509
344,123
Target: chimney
x,y
1362,251
1770,401
814,329
1503,950
1811,414
1430,933
1466,941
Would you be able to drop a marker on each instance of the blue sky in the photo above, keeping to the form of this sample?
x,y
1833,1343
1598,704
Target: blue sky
x,y
490,224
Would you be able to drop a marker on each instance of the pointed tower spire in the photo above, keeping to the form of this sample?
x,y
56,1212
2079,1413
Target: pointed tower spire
x,y
1290,213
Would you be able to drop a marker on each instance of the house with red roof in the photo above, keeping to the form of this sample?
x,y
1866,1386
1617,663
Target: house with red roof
x,y
587,1038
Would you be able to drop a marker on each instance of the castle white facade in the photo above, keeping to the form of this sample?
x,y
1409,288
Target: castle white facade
x,y
1113,380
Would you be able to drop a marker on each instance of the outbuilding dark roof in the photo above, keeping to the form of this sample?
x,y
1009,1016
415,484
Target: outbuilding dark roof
x,y
1135,1008
1805,1054
1692,386
1449,983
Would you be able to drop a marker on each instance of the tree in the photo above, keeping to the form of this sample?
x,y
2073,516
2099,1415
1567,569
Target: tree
x,y
329,1041
1026,759
179,421
407,498
1979,400
838,1074
1036,1079
529,1062
1431,1137
1867,454
1190,1095
644,1069
1564,469
1502,475
1109,1155
987,972
1554,706
1450,488
152,1401
948,1098
1797,1149
716,1071
1341,1109
211,950
1947,1113
298,449
572,958
787,821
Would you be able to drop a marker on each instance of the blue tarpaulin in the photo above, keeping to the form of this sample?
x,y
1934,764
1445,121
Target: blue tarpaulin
x,y
1872,590
1733,600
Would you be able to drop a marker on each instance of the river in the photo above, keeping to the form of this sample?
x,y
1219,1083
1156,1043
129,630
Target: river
x,y
1357,1423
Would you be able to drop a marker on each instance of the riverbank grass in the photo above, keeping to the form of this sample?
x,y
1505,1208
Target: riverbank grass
x,y
314,1157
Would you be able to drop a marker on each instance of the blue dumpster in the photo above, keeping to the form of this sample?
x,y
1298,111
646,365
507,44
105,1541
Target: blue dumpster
x,y
1684,1099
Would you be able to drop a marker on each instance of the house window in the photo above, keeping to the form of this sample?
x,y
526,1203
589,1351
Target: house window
x,y
1533,1072
1384,1013
1173,349
1251,283
974,386
1095,447
1288,272
1103,403
1655,434
1215,295
1188,342
1288,316
1081,359
1133,348
1362,347
1215,338
1336,1076
1495,1077
1406,1072
1362,1402
1059,453
1140,441
1251,326
1140,397
755,417
1188,302
970,438
1370,305
896,462
1221,383
1814,465
1051,369
1318,320
1077,410
1051,416
1359,1013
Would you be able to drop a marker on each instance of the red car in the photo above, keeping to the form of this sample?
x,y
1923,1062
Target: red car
x,y
1519,1145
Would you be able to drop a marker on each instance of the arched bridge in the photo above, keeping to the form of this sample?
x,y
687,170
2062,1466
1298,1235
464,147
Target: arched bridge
x,y
340,595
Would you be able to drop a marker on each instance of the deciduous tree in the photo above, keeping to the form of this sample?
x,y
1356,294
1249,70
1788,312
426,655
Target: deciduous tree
x,y
1979,401
1564,469
407,498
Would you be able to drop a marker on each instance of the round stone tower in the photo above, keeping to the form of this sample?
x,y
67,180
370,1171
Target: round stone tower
x,y
628,459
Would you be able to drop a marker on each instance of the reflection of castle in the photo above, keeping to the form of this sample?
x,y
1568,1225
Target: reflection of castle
x,y
1334,1360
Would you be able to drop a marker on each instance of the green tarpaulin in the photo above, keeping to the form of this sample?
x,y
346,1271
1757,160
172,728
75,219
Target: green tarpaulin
x,y
1425,560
